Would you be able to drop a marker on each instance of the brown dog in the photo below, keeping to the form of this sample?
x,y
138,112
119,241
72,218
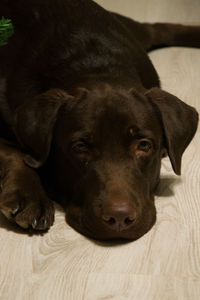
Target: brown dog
x,y
84,106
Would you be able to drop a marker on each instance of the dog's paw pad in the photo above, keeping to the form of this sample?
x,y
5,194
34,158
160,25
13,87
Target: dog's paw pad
x,y
23,225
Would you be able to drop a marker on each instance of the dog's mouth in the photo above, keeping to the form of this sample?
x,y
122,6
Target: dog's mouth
x,y
92,227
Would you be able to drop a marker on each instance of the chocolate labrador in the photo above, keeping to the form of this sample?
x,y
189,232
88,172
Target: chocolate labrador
x,y
84,119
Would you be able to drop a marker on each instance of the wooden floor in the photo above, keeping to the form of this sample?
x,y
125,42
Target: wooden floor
x,y
162,265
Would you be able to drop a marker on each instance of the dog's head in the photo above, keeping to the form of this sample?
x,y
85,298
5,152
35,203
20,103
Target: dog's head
x,y
104,149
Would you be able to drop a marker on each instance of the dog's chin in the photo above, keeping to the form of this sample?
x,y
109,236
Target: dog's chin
x,y
93,229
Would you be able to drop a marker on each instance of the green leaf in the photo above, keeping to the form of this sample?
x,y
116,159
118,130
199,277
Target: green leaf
x,y
6,30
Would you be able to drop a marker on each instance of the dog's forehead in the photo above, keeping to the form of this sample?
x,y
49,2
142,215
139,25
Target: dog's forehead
x,y
116,110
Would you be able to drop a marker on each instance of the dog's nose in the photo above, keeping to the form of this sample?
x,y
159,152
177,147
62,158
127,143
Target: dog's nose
x,y
119,217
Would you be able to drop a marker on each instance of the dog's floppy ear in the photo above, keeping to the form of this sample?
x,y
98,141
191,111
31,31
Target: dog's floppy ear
x,y
179,122
34,122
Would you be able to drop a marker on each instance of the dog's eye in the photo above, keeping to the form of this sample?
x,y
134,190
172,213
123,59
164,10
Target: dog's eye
x,y
144,146
80,148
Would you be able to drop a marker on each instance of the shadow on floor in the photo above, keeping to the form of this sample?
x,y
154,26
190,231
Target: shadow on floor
x,y
167,185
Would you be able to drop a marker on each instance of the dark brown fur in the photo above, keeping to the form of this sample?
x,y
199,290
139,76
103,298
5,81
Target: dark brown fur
x,y
83,106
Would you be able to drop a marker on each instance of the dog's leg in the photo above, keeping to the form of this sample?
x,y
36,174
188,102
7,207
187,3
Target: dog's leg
x,y
159,35
22,198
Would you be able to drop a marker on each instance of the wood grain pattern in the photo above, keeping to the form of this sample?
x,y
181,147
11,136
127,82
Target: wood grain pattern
x,y
163,264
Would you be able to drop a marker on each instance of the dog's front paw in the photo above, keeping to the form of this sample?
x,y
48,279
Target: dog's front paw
x,y
28,208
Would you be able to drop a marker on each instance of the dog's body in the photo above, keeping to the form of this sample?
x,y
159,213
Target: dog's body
x,y
84,105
